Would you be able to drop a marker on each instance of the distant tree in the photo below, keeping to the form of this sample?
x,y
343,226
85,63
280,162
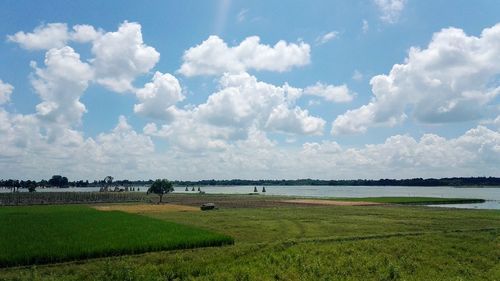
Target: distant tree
x,y
58,181
31,186
108,180
161,187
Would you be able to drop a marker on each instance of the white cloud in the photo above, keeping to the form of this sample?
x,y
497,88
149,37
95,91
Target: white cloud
x,y
474,153
158,95
43,37
390,10
85,33
242,15
357,75
242,105
60,85
24,148
332,93
452,80
122,141
125,153
496,122
296,121
365,26
243,101
327,37
121,56
5,91
214,57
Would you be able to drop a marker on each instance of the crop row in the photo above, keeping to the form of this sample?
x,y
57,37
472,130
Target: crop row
x,y
41,198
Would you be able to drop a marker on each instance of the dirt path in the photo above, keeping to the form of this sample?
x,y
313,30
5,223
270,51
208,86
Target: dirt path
x,y
330,202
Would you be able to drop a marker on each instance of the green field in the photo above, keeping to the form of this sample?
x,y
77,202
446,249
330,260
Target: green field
x,y
34,235
310,243
412,200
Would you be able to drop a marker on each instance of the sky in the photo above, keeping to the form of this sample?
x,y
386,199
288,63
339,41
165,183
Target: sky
x,y
189,90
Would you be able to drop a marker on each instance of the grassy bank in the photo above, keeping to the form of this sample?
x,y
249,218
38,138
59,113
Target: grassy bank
x,y
412,200
34,235
310,243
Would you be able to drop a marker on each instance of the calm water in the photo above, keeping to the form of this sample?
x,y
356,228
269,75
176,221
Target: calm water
x,y
492,195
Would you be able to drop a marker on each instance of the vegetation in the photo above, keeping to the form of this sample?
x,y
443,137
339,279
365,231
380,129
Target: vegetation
x,y
462,181
45,198
47,234
161,187
311,243
59,181
412,200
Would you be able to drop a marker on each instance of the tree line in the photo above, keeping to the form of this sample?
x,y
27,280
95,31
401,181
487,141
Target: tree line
x,y
63,182
456,181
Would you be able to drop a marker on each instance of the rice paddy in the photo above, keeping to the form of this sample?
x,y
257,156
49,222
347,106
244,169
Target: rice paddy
x,y
47,234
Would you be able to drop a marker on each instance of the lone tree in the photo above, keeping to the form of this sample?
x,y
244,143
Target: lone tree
x,y
108,180
161,187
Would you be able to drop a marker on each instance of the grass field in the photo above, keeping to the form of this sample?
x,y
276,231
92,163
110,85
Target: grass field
x,y
287,242
33,235
412,200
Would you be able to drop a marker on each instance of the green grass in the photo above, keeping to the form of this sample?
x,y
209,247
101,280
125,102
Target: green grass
x,y
34,235
412,200
312,243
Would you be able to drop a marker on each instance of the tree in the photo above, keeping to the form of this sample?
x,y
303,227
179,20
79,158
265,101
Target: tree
x,y
108,180
161,187
58,181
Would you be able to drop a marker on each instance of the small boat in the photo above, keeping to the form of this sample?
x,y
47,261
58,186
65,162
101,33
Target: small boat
x,y
263,189
255,189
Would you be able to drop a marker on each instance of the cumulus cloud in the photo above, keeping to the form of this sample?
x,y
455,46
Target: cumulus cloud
x,y
24,149
121,56
475,152
84,33
60,85
327,37
5,91
296,121
158,96
451,80
43,37
214,57
390,10
125,153
332,93
241,105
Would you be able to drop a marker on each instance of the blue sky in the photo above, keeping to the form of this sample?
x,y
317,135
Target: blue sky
x,y
259,89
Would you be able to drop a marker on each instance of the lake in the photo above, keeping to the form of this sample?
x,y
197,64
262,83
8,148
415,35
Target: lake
x,y
491,194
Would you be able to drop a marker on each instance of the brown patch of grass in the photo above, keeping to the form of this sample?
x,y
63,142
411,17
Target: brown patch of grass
x,y
146,208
